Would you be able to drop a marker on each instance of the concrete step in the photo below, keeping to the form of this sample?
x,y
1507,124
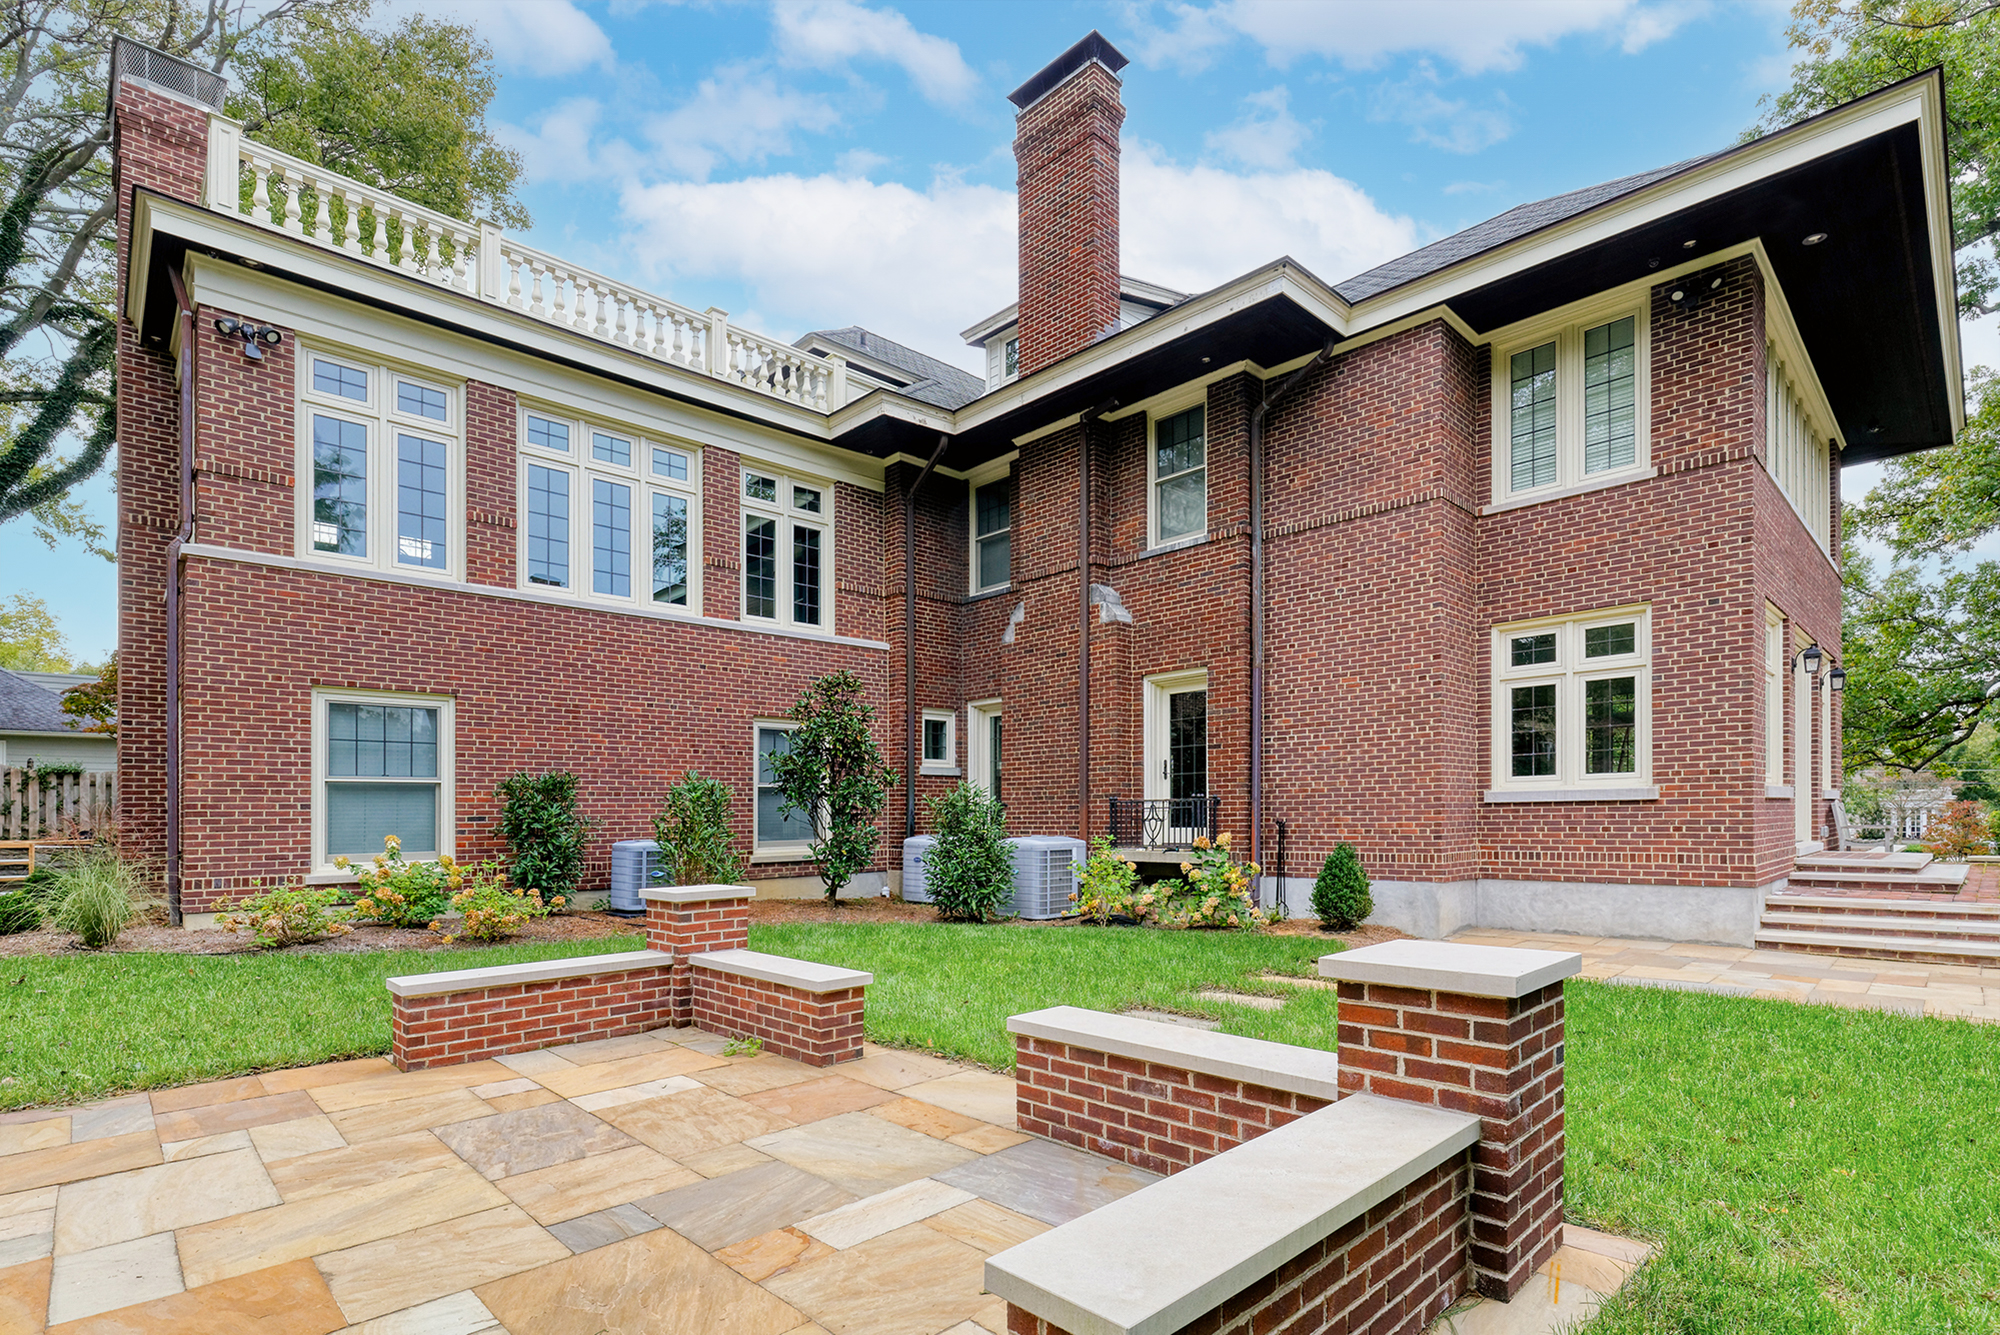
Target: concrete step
x,y
1938,880
1858,924
1913,949
1888,862
1910,908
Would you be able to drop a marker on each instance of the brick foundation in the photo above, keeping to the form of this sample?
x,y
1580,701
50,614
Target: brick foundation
x,y
1394,1269
1147,1114
450,1028
818,1029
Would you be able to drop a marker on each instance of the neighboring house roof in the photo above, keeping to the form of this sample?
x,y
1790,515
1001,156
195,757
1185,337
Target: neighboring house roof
x,y
28,707
57,681
1512,225
932,381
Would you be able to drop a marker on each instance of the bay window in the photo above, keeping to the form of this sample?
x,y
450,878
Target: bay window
x,y
1572,708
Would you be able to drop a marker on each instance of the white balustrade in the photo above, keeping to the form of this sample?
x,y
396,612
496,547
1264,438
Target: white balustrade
x,y
479,260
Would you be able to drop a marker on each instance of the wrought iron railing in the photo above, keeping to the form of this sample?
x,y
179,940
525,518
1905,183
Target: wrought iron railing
x,y
1163,822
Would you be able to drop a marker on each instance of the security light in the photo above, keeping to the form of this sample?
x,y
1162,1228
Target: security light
x,y
1814,239
251,335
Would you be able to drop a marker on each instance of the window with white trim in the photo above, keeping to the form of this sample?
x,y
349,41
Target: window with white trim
x,y
609,515
1796,453
787,550
1573,702
939,738
380,449
992,535
1774,698
1570,405
778,832
382,765
1177,476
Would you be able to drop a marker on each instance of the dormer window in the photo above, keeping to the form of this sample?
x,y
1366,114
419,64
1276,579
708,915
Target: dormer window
x,y
1012,358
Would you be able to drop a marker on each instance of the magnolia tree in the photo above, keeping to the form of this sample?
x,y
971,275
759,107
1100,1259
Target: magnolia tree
x,y
832,770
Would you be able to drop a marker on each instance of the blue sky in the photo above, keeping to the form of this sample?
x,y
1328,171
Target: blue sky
x,y
820,163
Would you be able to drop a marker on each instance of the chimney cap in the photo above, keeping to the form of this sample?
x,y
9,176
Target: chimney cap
x,y
1094,46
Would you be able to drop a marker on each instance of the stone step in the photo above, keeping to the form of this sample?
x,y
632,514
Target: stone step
x,y
1911,948
1929,882
1889,862
1908,908
1943,929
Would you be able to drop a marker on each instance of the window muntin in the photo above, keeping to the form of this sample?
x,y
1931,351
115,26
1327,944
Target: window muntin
x,y
1572,703
421,467
422,401
610,537
548,526
1570,405
670,464
992,535
381,766
787,550
610,449
347,382
547,434
1179,466
393,459
340,486
777,831
670,549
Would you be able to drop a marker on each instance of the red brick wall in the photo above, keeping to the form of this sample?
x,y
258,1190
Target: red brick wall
x,y
692,929
1156,1117
1500,1059
456,1027
817,1028
1392,1271
1066,152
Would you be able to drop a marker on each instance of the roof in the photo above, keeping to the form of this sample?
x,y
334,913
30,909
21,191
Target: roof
x,y
1512,225
1136,290
28,707
935,382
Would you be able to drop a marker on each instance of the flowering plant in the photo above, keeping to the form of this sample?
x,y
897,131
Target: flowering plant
x,y
1108,886
396,893
1216,891
287,916
492,909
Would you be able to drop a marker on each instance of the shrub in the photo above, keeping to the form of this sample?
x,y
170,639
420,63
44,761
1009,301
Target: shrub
x,y
1340,895
969,873
1215,893
18,912
1108,886
288,916
1959,831
832,770
492,909
696,844
540,822
396,893
94,900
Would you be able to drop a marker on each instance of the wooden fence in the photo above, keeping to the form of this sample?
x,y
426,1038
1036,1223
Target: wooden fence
x,y
49,803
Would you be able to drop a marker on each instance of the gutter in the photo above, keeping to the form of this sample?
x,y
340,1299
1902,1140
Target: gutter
x,y
910,766
176,562
1257,415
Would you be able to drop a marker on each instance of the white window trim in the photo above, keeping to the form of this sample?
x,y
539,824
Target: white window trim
x,y
1174,407
1157,691
1774,701
379,416
784,850
784,512
1566,328
947,767
1568,673
1802,743
1796,452
447,708
986,477
979,716
645,484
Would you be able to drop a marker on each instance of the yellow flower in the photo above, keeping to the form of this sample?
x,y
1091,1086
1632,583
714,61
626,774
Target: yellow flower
x,y
341,862
1187,866
391,841
1222,840
1201,841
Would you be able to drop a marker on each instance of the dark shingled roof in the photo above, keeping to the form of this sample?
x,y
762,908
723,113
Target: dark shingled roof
x,y
1494,232
933,381
26,707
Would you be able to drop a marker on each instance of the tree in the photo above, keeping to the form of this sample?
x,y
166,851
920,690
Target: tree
x,y
694,835
403,110
833,771
548,835
1921,650
31,640
968,873
96,700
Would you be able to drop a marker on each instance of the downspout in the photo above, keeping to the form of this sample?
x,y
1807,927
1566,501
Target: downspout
x,y
175,561
910,640
1084,423
1257,414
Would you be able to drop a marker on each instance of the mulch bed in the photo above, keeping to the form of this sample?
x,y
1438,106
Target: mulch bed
x,y
156,936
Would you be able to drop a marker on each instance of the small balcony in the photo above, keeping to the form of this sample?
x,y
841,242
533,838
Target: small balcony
x,y
1163,824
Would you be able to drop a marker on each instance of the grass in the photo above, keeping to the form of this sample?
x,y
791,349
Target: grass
x,y
1803,1170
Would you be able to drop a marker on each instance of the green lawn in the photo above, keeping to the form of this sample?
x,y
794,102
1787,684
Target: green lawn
x,y
1802,1169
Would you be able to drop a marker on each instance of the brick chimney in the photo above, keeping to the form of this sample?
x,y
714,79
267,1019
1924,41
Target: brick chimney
x,y
1066,153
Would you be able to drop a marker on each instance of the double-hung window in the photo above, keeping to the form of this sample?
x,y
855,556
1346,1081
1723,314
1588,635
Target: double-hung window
x,y
1177,476
1570,406
992,535
1573,705
940,741
780,834
382,765
386,472
787,550
609,514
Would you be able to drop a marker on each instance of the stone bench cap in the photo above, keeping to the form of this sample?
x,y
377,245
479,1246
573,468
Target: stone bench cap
x,y
1453,966
1226,1056
1154,1261
510,975
696,894
802,974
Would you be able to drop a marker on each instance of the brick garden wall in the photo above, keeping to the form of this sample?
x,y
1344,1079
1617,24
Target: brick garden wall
x,y
456,1027
1153,1116
817,1028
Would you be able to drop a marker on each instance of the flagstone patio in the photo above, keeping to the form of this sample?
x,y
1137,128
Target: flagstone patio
x,y
638,1184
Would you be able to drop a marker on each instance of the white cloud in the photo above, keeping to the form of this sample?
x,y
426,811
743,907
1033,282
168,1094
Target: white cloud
x,y
827,34
1266,135
1473,187
1454,125
737,114
1473,35
859,162
538,37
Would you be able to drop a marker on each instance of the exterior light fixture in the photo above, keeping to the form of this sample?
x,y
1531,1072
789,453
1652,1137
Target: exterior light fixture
x,y
1813,239
251,334
1810,660
1687,245
1689,292
1836,680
